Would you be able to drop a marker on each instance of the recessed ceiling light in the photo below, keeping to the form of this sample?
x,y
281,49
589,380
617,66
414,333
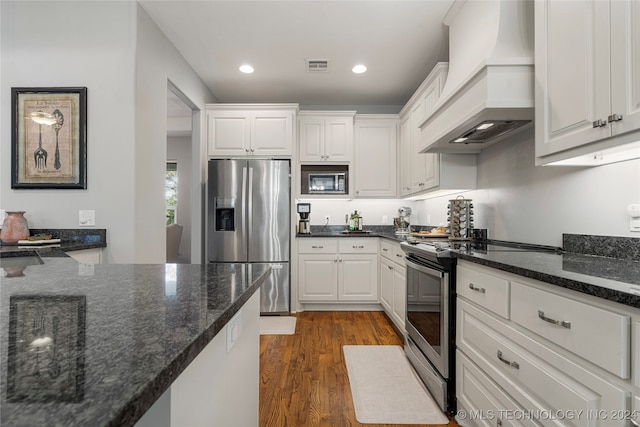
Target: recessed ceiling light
x,y
246,68
359,69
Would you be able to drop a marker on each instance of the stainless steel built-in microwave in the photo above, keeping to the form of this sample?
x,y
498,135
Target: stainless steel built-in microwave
x,y
327,183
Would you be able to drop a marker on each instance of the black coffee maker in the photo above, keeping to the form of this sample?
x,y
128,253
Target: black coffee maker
x,y
304,209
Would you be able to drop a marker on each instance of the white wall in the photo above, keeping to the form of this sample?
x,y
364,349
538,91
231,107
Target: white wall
x,y
120,55
179,149
157,61
372,210
520,202
92,44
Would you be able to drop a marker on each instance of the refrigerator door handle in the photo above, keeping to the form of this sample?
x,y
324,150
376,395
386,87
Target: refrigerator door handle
x,y
249,206
243,211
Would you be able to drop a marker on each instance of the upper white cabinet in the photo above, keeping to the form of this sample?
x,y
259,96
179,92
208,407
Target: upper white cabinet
x,y
325,136
587,77
250,129
421,173
376,138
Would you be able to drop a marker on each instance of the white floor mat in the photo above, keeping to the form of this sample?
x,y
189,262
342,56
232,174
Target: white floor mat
x,y
385,389
277,325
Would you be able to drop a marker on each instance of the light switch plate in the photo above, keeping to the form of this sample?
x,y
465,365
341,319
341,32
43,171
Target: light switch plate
x,y
87,218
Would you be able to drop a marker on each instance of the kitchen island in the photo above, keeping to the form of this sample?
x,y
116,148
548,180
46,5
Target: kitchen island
x,y
99,348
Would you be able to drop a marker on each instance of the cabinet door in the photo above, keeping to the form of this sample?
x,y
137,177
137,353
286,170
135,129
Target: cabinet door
x,y
228,133
272,133
338,139
358,278
375,158
399,296
404,154
311,139
427,165
418,161
318,277
625,65
572,74
386,285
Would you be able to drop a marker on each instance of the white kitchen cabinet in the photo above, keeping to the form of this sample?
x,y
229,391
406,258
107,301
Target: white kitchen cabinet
x,y
331,270
325,136
87,256
250,129
376,142
393,292
522,361
424,173
587,77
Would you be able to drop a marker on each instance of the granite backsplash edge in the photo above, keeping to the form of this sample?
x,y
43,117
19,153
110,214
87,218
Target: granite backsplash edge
x,y
604,246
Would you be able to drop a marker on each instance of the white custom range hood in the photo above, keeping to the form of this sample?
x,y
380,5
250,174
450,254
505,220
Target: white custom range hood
x,y
489,91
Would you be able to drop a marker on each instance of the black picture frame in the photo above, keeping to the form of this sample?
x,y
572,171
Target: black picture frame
x,y
46,349
49,138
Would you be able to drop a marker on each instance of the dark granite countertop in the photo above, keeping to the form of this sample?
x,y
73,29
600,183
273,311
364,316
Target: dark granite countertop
x,y
613,278
72,239
339,231
126,332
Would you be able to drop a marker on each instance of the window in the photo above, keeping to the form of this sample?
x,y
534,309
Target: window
x,y
171,191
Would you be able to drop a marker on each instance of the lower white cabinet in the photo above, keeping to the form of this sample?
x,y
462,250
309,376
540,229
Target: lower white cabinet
x,y
221,386
87,256
344,269
393,294
534,365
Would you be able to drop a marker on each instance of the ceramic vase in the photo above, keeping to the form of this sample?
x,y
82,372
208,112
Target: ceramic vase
x,y
14,227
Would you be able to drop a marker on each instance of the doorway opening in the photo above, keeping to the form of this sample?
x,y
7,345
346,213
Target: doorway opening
x,y
181,145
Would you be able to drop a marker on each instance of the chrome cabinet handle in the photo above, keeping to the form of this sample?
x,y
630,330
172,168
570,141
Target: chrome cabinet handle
x,y
385,250
507,362
389,267
473,288
614,118
357,247
317,247
599,123
399,256
562,323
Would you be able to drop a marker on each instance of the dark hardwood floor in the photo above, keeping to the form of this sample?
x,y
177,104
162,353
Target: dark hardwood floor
x,y
303,378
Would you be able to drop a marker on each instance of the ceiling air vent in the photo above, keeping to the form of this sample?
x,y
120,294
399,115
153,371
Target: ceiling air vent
x,y
317,65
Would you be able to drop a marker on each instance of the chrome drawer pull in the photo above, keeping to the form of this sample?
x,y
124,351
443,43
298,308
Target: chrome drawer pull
x,y
614,118
385,249
317,247
473,288
562,323
358,247
399,256
503,360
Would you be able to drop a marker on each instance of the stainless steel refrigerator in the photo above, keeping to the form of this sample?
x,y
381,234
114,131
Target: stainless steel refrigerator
x,y
248,221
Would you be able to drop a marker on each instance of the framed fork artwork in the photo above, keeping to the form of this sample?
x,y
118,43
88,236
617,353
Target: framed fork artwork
x,y
49,138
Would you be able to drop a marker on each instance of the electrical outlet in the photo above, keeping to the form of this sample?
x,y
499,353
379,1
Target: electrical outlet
x,y
385,219
87,218
327,218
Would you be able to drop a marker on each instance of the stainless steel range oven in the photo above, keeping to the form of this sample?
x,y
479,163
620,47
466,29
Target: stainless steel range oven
x,y
430,320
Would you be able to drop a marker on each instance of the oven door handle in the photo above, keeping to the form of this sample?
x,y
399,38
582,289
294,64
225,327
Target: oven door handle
x,y
424,269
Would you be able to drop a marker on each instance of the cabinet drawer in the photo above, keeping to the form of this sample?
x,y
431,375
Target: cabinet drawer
x,y
352,245
532,379
572,325
478,393
386,249
398,255
317,246
486,290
